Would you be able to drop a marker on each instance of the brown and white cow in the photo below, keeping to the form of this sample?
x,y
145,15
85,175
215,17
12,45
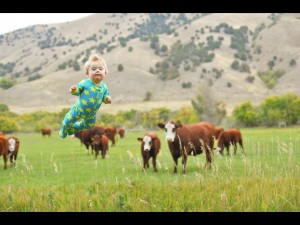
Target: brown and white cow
x,y
230,137
192,139
150,146
100,143
121,132
13,149
46,131
4,150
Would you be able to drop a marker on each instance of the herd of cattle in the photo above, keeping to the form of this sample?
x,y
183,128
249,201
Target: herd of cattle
x,y
183,140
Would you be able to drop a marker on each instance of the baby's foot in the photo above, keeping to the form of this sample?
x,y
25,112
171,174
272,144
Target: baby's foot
x,y
62,133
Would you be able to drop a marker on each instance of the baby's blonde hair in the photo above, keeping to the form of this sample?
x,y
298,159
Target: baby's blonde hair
x,y
95,58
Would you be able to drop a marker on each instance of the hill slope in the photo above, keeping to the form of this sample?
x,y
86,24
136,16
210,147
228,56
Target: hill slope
x,y
150,47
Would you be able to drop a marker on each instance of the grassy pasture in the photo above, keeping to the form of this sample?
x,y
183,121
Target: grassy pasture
x,y
57,175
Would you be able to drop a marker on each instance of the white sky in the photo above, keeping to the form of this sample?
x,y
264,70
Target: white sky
x,y
14,21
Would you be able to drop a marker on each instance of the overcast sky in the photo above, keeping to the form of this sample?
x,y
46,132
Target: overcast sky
x,y
14,21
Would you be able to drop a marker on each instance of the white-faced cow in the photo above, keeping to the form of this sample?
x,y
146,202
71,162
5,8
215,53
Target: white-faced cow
x,y
192,139
13,149
150,146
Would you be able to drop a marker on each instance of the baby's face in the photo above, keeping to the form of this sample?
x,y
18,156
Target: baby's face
x,y
97,72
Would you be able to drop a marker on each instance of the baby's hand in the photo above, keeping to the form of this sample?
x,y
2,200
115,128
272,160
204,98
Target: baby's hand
x,y
108,100
72,88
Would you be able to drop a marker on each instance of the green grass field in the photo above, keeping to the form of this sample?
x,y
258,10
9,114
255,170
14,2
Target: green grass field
x,y
57,175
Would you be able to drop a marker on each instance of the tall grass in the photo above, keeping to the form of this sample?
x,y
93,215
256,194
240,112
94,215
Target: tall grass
x,y
58,175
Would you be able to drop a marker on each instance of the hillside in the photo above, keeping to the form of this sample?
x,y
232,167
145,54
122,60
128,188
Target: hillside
x,y
170,56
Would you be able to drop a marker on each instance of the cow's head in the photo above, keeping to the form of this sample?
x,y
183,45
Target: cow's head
x,y
147,142
11,144
96,139
170,128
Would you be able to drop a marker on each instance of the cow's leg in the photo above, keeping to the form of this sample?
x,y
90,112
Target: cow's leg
x,y
227,149
15,155
87,148
211,145
5,161
96,152
235,147
103,153
11,159
184,160
208,154
92,149
241,144
144,163
14,161
175,164
222,150
147,157
154,163
113,141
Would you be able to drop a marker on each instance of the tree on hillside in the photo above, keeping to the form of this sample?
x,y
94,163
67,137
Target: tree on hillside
x,y
6,83
186,115
246,114
120,67
207,108
3,108
8,124
286,108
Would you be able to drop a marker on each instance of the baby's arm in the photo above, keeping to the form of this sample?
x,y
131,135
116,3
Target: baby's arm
x,y
106,98
76,89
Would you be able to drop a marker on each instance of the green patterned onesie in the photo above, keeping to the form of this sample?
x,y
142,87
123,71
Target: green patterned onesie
x,y
85,108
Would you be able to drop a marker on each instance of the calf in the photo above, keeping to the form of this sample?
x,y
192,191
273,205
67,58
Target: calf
x,y
100,143
150,146
13,149
4,150
111,132
230,137
46,131
193,139
85,138
121,132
